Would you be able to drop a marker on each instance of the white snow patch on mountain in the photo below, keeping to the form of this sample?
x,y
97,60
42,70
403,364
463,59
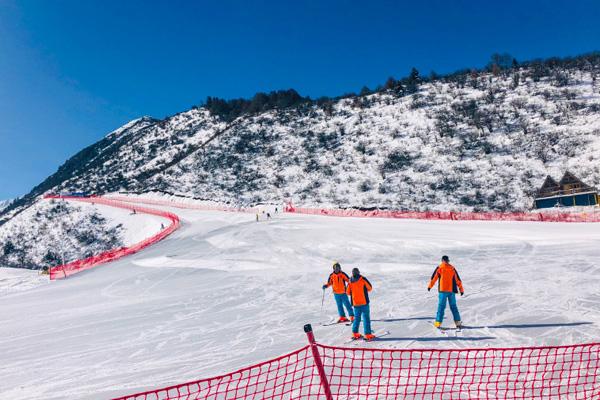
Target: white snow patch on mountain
x,y
4,204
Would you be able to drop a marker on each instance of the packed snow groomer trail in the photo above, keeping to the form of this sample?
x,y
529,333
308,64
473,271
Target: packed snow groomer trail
x,y
225,291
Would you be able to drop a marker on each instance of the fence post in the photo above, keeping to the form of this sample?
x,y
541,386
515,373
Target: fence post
x,y
318,361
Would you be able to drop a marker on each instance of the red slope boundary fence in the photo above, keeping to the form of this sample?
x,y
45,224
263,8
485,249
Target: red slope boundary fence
x,y
317,371
63,271
553,216
452,215
175,204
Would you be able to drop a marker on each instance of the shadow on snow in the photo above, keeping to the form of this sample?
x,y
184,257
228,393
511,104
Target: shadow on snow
x,y
403,319
528,326
435,339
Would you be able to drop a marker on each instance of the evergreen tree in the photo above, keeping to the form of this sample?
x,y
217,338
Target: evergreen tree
x,y
365,91
413,81
390,83
499,62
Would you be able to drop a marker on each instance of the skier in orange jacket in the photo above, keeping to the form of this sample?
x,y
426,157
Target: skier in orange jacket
x,y
359,289
338,280
449,284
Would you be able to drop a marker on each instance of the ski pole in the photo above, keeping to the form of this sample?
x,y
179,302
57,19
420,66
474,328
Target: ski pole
x,y
322,301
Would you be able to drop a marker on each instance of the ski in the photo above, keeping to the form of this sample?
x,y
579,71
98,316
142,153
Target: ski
x,y
441,331
447,330
362,338
377,336
336,323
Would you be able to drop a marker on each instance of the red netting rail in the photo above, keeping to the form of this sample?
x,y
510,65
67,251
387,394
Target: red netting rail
x,y
325,372
291,376
552,216
178,204
62,271
565,372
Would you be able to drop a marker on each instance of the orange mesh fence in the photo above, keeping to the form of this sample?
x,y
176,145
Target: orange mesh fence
x,y
451,215
568,372
327,372
552,216
179,204
291,376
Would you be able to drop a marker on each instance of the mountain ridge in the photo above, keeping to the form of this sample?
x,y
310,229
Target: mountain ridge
x,y
473,113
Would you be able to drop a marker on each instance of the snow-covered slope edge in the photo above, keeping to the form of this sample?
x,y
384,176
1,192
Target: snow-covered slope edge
x,y
169,224
55,232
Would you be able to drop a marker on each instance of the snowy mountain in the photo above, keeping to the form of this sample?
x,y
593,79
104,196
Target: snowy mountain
x,y
4,204
474,140
470,141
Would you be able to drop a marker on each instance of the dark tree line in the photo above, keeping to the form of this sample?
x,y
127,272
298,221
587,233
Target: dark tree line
x,y
231,109
500,63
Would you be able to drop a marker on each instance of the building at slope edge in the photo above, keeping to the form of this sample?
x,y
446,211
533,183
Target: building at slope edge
x,y
568,192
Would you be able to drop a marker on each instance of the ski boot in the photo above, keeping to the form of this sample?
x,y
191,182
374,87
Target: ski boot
x,y
369,337
356,336
343,319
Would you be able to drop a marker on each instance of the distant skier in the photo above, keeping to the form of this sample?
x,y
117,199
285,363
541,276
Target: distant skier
x,y
338,280
449,284
358,289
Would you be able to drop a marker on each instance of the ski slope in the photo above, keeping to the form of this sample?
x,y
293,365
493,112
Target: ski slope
x,y
225,291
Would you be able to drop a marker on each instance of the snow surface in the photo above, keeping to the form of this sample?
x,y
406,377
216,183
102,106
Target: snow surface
x,y
223,292
19,279
137,226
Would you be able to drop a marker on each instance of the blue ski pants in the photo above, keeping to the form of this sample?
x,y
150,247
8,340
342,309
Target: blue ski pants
x,y
341,299
451,298
361,312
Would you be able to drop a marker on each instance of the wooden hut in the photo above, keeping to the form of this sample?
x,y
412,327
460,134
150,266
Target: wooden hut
x,y
568,192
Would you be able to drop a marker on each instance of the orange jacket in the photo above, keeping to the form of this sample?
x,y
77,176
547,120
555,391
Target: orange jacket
x,y
338,281
359,289
449,280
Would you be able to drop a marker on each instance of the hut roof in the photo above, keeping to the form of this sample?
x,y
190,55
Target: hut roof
x,y
568,185
549,183
570,179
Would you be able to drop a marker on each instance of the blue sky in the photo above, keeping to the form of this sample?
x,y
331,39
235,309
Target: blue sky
x,y
72,71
